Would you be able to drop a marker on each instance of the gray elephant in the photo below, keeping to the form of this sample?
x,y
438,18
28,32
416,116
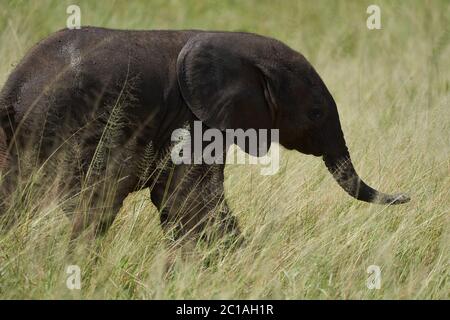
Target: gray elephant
x,y
100,105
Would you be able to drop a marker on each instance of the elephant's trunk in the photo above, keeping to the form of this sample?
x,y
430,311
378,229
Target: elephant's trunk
x,y
344,173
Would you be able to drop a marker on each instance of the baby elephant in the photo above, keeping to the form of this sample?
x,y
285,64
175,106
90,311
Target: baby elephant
x,y
94,111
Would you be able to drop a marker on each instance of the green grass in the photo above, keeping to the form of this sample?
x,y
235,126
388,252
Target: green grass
x,y
306,237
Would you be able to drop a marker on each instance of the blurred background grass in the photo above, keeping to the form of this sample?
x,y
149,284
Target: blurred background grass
x,y
307,238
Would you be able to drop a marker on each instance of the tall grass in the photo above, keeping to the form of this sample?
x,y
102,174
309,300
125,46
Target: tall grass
x,y
305,237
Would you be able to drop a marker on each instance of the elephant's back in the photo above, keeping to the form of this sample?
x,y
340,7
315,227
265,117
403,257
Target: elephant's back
x,y
75,81
75,59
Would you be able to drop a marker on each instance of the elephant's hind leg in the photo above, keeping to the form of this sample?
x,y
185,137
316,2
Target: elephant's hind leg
x,y
100,199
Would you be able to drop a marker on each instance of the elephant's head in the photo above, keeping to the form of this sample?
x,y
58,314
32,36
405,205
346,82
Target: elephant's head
x,y
239,80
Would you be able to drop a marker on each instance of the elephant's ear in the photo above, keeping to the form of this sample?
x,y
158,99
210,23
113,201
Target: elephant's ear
x,y
221,85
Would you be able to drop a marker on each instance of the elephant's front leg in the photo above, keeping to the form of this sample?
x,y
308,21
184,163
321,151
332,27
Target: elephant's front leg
x,y
190,199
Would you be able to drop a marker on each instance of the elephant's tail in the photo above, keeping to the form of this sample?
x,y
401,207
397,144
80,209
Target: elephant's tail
x,y
6,131
4,154
8,98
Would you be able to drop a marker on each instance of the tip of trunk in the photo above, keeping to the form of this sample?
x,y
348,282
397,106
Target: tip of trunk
x,y
344,173
391,199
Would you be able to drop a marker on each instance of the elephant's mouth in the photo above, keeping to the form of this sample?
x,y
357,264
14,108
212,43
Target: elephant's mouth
x,y
310,147
342,169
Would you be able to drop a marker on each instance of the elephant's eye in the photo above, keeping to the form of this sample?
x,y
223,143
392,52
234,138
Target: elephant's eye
x,y
315,114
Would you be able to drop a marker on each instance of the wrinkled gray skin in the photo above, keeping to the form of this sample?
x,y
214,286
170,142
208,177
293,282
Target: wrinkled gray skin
x,y
66,87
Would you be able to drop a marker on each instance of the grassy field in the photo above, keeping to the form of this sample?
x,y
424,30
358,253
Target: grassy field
x,y
306,237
